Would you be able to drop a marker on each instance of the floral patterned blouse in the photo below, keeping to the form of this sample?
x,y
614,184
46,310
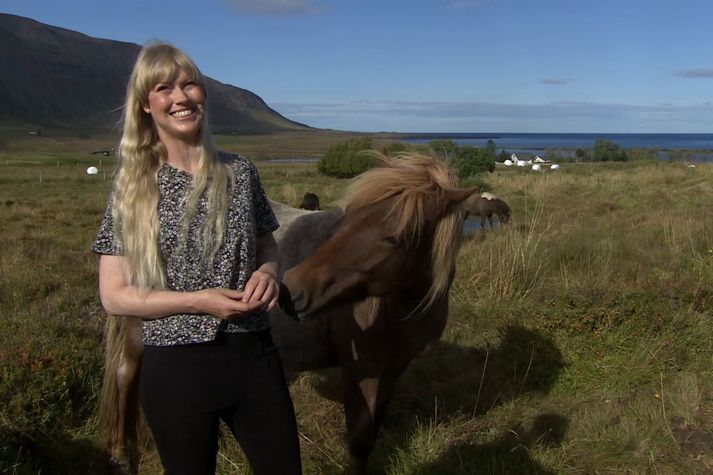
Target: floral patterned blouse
x,y
249,216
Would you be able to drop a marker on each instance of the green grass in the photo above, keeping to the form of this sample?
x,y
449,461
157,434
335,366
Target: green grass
x,y
579,341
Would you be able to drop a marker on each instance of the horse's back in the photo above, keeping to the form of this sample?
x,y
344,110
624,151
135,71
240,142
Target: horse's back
x,y
301,232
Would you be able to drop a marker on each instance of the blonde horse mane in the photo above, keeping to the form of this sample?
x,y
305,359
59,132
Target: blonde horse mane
x,y
414,181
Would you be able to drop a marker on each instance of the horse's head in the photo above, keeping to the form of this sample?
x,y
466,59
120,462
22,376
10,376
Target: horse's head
x,y
399,234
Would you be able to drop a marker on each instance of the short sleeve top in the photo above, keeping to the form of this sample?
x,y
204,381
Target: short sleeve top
x,y
249,216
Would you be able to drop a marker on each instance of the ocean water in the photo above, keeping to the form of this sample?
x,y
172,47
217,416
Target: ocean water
x,y
537,144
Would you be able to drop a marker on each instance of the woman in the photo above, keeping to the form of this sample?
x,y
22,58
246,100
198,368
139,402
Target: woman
x,y
186,245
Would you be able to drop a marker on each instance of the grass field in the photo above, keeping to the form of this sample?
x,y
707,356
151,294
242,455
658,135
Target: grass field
x,y
580,338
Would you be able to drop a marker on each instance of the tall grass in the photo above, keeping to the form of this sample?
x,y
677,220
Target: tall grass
x,y
579,340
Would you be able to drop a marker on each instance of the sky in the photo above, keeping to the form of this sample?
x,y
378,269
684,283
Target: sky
x,y
479,66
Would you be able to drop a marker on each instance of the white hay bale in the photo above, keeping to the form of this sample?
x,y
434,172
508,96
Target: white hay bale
x,y
554,166
536,168
92,171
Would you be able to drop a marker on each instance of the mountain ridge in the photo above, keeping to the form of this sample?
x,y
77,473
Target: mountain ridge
x,y
64,78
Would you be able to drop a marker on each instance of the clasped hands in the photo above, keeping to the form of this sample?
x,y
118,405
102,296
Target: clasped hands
x,y
261,291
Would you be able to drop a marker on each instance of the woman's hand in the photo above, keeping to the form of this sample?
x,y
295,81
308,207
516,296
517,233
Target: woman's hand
x,y
226,304
262,289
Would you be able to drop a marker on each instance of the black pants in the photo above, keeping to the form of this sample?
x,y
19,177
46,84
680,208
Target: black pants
x,y
186,390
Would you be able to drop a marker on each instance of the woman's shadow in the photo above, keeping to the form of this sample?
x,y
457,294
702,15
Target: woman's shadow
x,y
453,381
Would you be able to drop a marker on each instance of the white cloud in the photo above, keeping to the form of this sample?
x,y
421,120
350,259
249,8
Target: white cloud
x,y
273,7
695,73
491,117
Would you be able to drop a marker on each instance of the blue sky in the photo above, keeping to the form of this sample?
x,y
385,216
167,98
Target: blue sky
x,y
627,66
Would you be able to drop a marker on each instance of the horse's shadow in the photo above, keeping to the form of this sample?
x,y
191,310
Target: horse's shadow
x,y
509,454
452,381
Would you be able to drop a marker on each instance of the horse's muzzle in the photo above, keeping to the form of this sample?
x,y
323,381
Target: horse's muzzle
x,y
285,301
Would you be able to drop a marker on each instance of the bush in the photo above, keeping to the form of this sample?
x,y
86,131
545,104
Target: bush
x,y
581,155
471,161
606,150
444,148
347,159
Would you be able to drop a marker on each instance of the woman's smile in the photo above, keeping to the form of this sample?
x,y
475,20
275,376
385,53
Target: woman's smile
x,y
177,107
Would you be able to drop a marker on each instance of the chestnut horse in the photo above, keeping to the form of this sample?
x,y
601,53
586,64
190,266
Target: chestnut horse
x,y
369,284
486,205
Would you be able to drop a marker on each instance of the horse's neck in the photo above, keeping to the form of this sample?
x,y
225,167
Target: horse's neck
x,y
301,231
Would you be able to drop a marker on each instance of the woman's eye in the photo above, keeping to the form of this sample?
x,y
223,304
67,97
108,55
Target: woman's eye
x,y
393,240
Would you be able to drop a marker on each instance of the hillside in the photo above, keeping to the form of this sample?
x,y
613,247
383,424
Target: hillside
x,y
62,78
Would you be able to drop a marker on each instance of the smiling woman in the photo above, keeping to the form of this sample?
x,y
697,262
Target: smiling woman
x,y
187,250
177,108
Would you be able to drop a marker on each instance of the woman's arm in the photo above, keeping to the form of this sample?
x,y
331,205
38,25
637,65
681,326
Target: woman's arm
x,y
119,297
263,286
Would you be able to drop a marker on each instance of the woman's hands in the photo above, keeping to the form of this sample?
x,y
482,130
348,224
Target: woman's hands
x,y
225,304
261,291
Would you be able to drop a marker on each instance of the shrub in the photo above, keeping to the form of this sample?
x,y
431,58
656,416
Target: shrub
x,y
581,155
444,148
471,161
606,150
347,159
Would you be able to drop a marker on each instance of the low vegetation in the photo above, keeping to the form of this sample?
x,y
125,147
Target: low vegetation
x,y
579,341
347,159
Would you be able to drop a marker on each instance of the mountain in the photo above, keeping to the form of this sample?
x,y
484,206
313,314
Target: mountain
x,y
61,78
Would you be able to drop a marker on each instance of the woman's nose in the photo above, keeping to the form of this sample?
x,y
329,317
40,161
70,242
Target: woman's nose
x,y
179,95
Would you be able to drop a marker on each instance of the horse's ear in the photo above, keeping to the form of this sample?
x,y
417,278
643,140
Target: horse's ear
x,y
459,194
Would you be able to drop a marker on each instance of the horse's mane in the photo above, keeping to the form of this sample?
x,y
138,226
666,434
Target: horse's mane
x,y
414,181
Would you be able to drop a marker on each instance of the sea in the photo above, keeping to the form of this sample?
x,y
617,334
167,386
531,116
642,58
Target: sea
x,y
697,147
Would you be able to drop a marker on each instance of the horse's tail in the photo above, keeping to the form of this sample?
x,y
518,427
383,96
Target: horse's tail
x,y
116,334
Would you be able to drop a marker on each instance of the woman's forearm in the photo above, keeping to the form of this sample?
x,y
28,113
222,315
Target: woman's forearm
x,y
119,297
267,257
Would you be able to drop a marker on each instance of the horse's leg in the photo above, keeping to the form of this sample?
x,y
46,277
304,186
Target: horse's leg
x,y
359,409
366,400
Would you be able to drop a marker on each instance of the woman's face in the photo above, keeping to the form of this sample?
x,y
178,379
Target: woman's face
x,y
177,108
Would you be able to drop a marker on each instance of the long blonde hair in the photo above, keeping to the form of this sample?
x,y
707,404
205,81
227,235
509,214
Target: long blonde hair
x,y
141,154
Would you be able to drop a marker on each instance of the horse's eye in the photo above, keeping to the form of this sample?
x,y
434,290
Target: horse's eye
x,y
393,240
